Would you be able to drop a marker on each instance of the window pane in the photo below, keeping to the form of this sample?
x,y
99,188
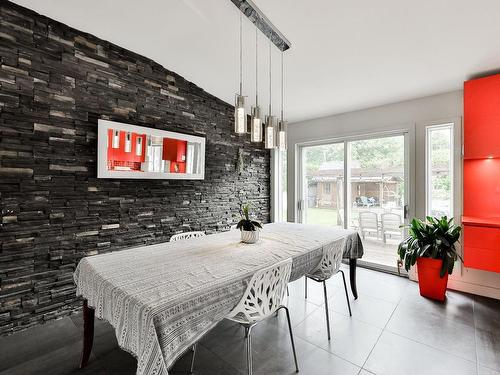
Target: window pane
x,y
324,184
440,170
377,196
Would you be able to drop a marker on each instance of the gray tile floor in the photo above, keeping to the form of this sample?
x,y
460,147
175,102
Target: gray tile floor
x,y
392,331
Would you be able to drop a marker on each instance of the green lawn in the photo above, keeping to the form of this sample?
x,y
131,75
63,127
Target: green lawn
x,y
321,216
328,216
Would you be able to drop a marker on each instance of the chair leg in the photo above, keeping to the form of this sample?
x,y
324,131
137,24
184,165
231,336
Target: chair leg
x,y
249,350
326,310
346,295
305,277
291,338
192,359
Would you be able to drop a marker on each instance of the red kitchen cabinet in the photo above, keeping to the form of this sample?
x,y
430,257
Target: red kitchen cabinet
x,y
481,173
174,150
481,247
482,117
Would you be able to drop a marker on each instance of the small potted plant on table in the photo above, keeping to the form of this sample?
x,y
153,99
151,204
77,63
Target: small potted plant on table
x,y
249,228
431,245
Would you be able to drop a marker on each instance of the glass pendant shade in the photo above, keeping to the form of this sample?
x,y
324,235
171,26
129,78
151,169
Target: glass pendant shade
x,y
270,130
256,126
240,117
282,130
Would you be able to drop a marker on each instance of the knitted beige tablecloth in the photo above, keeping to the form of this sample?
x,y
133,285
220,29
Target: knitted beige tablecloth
x,y
162,298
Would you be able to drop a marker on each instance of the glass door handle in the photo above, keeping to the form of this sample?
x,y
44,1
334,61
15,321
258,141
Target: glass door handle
x,y
405,211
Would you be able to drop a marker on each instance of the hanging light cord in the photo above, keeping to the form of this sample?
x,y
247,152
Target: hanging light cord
x,y
241,55
270,81
256,68
282,91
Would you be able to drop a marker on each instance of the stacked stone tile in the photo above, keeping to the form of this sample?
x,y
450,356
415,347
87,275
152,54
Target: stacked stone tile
x,y
55,83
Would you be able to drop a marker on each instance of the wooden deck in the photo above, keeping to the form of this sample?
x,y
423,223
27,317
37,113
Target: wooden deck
x,y
378,252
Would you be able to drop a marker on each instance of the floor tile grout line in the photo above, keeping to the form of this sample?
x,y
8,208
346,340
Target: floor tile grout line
x,y
374,345
475,331
346,314
378,338
443,317
307,315
329,352
222,359
384,329
429,346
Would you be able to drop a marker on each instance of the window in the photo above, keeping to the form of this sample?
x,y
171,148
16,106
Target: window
x,y
439,170
328,188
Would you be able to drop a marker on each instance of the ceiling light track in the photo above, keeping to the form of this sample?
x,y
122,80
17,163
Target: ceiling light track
x,y
257,17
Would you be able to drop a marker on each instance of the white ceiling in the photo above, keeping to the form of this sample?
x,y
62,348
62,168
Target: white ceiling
x,y
345,55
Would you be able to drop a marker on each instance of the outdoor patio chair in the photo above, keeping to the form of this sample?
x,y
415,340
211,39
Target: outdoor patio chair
x,y
391,223
368,223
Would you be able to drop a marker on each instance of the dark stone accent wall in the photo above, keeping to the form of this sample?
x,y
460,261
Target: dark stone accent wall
x,y
55,82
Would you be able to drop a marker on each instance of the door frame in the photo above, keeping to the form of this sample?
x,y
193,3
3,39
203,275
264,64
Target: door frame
x,y
408,131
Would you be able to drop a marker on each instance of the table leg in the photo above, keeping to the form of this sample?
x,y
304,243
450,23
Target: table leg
x,y
352,277
88,333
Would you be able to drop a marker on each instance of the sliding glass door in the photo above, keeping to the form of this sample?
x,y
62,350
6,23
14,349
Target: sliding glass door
x,y
359,184
323,184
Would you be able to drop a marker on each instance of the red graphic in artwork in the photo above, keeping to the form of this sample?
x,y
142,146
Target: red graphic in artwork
x,y
119,158
174,150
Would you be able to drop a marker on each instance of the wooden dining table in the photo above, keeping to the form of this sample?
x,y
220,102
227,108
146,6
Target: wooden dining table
x,y
161,299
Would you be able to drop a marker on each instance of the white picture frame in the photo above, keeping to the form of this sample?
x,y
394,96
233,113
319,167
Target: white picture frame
x,y
192,161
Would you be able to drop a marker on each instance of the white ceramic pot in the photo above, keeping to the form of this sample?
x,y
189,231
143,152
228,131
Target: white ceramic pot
x,y
249,236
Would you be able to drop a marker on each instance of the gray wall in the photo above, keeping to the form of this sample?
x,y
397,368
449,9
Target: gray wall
x,y
55,83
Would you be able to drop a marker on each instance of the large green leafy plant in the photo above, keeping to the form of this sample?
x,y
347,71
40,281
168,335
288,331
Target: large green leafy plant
x,y
246,223
435,239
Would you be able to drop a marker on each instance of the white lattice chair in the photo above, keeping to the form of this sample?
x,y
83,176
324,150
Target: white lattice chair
x,y
261,300
327,267
186,236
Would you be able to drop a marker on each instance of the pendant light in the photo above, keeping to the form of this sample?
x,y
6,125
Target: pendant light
x,y
282,124
270,129
256,124
240,117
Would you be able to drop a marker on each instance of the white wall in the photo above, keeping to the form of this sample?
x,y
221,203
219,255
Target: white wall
x,y
413,116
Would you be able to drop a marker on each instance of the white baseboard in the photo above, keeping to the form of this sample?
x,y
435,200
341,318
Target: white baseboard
x,y
480,290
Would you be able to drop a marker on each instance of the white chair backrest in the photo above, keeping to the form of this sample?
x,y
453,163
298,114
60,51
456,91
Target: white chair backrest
x,y
330,262
368,219
186,236
391,221
264,293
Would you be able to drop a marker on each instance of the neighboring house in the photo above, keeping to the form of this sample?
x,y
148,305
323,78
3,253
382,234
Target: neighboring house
x,y
369,187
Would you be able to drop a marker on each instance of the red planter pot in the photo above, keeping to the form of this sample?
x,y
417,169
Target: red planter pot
x,y
430,284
